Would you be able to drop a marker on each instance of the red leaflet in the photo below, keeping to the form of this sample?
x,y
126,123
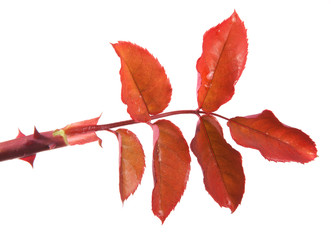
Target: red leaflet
x,y
275,141
221,164
132,162
145,86
223,59
171,167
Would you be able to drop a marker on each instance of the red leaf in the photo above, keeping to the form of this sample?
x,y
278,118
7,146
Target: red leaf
x,y
145,86
132,162
171,167
223,59
75,133
221,164
276,141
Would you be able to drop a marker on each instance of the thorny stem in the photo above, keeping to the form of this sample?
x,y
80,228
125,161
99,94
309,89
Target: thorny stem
x,y
27,146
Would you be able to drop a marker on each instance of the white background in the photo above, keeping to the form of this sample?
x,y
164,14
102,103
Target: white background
x,y
57,67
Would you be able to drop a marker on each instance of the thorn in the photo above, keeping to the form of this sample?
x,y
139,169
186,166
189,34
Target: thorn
x,y
29,159
36,134
20,134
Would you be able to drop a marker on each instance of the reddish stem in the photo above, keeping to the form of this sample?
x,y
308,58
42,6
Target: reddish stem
x,y
25,146
108,126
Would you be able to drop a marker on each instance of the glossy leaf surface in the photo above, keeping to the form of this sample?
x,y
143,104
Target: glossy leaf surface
x,y
132,162
171,167
223,59
276,141
145,86
223,173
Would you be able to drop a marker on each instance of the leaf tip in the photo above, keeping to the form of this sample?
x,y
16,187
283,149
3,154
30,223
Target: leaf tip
x,y
112,44
234,207
161,215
